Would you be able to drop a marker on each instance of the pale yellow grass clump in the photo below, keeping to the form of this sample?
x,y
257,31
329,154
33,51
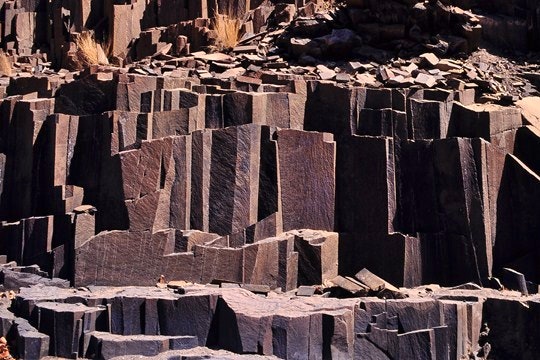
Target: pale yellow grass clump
x,y
5,64
90,51
326,5
227,30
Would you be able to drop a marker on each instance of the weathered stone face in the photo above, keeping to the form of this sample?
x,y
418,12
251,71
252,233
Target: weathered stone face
x,y
145,320
391,170
277,197
250,179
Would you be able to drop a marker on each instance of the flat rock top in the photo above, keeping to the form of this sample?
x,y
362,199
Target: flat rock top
x,y
245,302
49,293
437,292
485,107
65,307
531,109
531,104
198,352
250,304
135,337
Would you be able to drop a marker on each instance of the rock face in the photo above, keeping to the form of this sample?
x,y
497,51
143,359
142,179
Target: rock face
x,y
379,172
296,191
110,322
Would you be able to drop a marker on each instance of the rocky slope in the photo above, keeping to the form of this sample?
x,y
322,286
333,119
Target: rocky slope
x,y
270,187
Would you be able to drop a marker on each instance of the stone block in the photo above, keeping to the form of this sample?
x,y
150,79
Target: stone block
x,y
234,178
385,122
482,120
64,324
462,210
31,344
317,256
429,119
201,160
306,172
418,344
187,316
333,109
365,164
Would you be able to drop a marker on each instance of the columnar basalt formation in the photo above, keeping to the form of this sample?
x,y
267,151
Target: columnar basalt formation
x,y
292,196
111,322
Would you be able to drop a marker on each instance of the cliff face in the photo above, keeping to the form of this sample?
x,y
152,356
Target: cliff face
x,y
328,140
447,187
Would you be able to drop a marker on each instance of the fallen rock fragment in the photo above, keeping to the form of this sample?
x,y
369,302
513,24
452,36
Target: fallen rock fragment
x,y
429,59
305,291
346,287
378,286
325,73
514,280
425,80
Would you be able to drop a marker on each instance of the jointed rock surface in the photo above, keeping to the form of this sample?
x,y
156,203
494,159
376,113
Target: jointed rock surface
x,y
295,196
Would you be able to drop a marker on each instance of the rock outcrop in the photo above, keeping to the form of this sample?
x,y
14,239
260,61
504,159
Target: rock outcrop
x,y
292,195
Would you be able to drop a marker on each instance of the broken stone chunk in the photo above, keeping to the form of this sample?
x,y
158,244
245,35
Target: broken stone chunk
x,y
429,59
514,280
256,289
325,73
378,286
85,209
425,80
305,291
448,65
346,287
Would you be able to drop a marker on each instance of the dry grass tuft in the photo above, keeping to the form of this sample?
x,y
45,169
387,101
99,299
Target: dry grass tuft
x,y
90,51
227,30
5,64
325,6
87,49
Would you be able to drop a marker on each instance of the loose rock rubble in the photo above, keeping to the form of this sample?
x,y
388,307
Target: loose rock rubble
x,y
293,196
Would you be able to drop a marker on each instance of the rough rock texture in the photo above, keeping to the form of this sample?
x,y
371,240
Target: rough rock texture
x,y
111,322
291,195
